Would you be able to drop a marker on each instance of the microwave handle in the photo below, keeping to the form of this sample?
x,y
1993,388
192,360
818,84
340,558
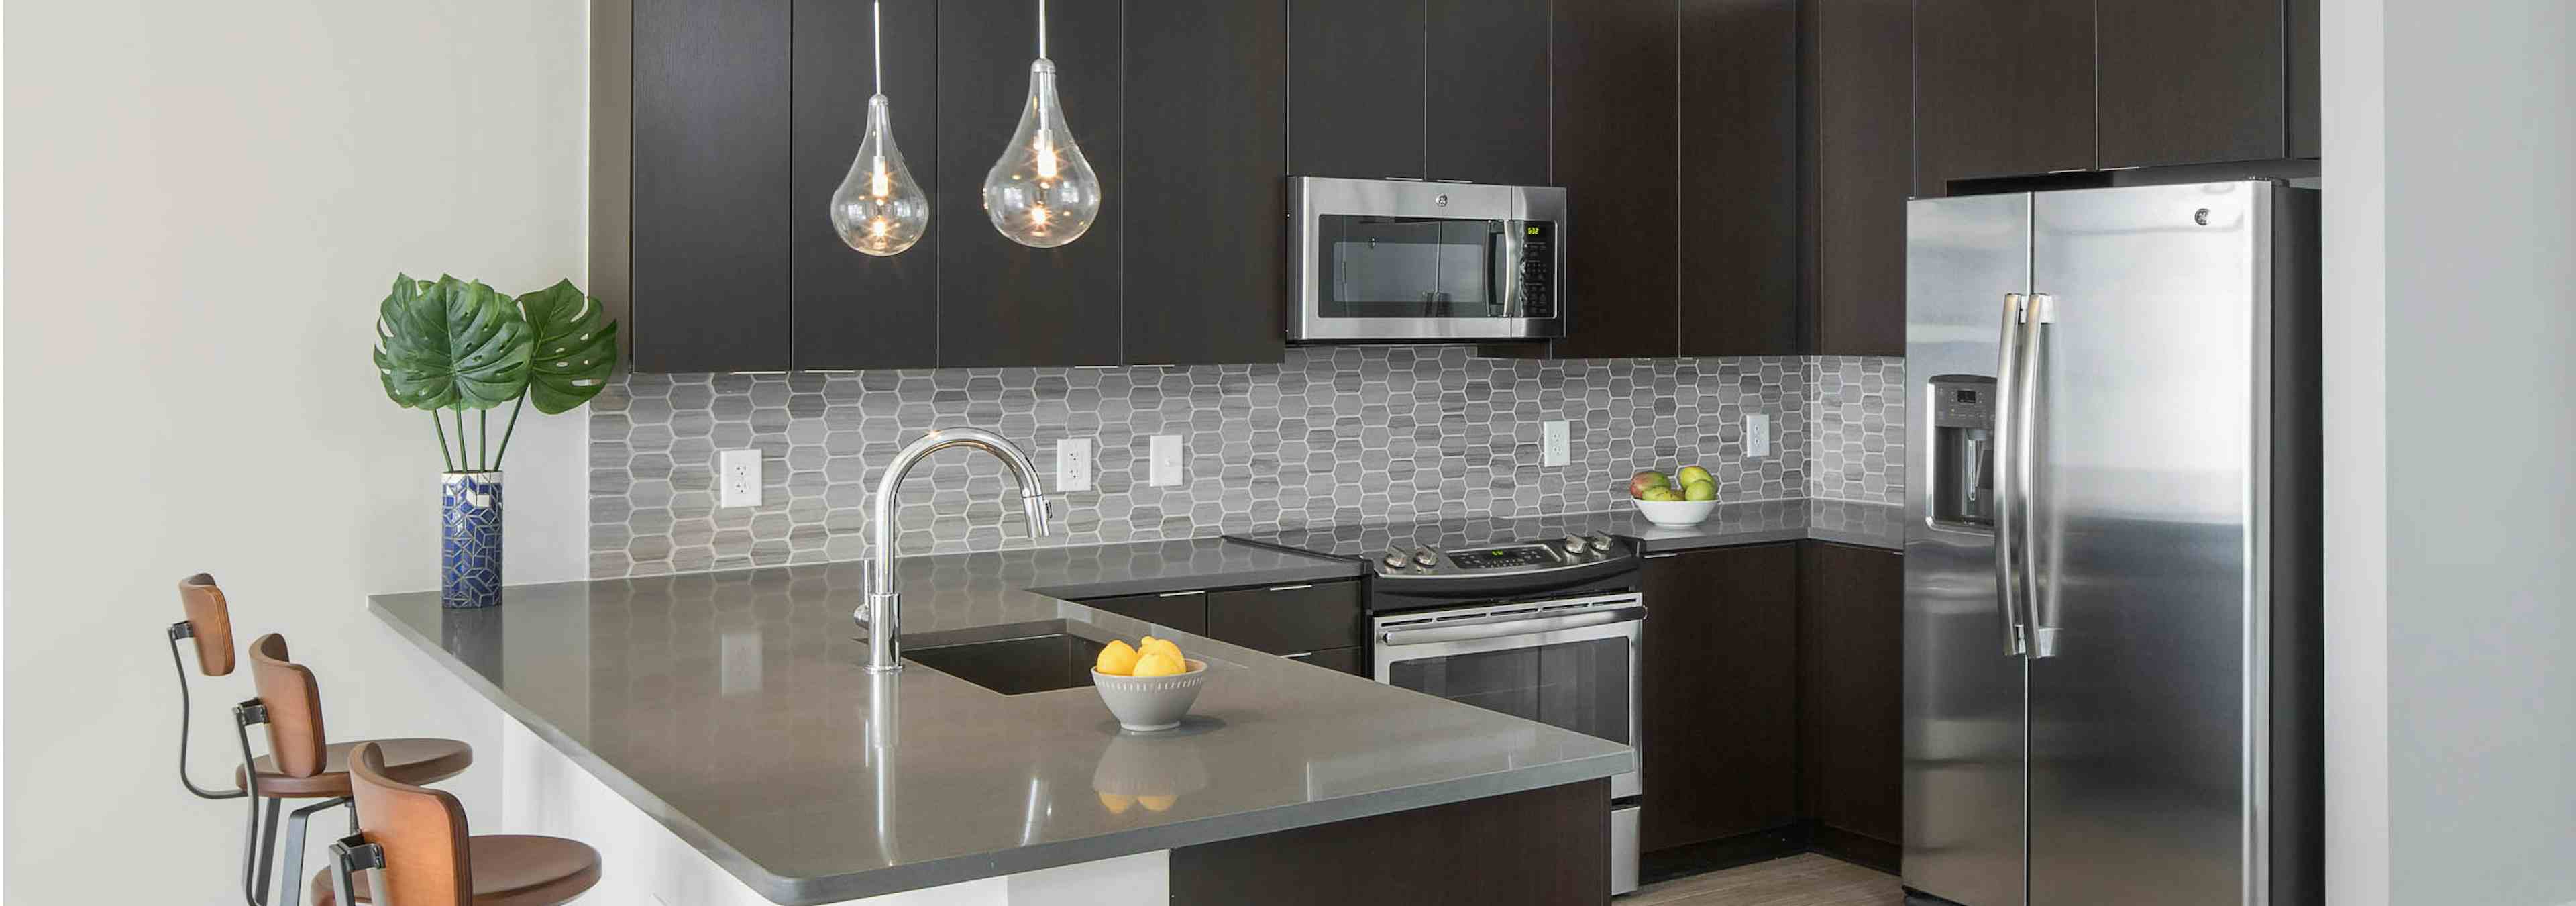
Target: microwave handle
x,y
1502,271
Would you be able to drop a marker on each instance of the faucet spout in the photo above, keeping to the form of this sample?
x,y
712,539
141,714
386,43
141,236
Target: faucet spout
x,y
882,613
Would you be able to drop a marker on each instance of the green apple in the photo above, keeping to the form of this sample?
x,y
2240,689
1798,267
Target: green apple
x,y
1699,490
1647,480
1693,473
1662,495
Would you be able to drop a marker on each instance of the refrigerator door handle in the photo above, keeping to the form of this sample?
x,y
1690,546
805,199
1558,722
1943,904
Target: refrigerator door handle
x,y
2008,572
2040,600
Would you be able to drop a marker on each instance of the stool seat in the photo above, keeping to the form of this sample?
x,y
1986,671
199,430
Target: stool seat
x,y
413,760
509,870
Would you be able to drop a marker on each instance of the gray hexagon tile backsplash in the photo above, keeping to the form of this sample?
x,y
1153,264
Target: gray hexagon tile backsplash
x,y
1330,435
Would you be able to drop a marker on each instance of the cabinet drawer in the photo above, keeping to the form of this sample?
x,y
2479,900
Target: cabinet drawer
x,y
1186,611
1287,619
1346,660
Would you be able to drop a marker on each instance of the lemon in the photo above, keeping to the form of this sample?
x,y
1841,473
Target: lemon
x,y
1160,664
1158,803
1165,646
1118,805
1116,660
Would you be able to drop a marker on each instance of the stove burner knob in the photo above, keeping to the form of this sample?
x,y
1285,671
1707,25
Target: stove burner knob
x,y
1601,544
1394,559
1574,545
1424,557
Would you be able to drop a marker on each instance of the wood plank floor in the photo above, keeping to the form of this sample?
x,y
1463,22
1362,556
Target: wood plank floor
x,y
1802,880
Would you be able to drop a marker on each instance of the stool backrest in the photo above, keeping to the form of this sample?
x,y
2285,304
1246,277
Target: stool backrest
x,y
294,703
210,622
422,831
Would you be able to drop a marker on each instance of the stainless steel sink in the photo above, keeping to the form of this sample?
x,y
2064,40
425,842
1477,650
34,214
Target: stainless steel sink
x,y
1019,665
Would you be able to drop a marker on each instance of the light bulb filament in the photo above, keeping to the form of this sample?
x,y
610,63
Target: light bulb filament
x,y
881,182
1045,148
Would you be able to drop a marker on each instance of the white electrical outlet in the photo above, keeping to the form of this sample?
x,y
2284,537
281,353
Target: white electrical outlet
x,y
738,478
1073,464
1552,444
1165,460
1757,435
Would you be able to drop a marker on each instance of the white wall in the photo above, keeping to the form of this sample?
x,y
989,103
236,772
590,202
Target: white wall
x,y
2458,706
205,202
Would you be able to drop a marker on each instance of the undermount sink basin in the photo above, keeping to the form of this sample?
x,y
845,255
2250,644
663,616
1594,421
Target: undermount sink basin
x,y
1015,666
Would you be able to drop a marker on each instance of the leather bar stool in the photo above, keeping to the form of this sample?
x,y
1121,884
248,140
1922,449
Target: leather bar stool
x,y
415,841
313,769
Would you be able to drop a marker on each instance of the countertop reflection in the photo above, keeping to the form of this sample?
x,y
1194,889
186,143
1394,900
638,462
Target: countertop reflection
x,y
732,708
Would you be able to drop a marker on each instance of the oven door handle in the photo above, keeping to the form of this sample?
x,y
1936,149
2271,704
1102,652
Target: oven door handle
x,y
1464,632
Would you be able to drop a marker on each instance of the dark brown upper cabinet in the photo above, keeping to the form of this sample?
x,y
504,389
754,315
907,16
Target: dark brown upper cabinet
x,y
690,170
2005,88
854,310
1486,109
1002,303
1615,69
2306,135
1207,208
1420,89
1738,178
1355,88
1856,126
2192,81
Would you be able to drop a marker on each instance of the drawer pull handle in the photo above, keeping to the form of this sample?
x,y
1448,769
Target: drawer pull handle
x,y
1176,594
1291,588
1660,556
1301,654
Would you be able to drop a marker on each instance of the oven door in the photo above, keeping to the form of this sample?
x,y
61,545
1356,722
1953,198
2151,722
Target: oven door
x,y
1568,663
1401,260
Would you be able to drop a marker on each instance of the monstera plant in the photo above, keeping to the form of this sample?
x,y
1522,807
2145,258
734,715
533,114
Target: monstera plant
x,y
457,345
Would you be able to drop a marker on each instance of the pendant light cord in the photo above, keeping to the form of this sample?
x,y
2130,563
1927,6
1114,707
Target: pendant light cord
x,y
876,35
1041,29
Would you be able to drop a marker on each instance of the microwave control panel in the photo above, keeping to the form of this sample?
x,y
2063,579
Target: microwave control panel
x,y
1537,267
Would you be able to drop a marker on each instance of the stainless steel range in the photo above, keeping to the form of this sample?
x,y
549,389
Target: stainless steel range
x,y
1538,619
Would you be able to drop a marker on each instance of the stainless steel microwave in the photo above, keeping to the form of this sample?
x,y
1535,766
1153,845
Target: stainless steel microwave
x,y
1406,261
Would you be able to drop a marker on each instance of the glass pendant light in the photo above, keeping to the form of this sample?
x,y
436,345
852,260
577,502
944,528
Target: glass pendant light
x,y
879,209
1042,192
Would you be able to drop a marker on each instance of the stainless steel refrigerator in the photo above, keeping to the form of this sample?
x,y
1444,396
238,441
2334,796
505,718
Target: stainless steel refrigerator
x,y
2112,563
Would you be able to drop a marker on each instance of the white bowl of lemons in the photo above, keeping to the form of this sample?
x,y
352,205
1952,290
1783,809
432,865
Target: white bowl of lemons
x,y
1683,499
1150,686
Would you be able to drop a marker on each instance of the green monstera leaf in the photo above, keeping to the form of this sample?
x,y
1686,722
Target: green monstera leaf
x,y
575,347
451,344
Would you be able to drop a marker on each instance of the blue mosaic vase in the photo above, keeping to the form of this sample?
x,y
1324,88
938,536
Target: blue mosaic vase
x,y
469,544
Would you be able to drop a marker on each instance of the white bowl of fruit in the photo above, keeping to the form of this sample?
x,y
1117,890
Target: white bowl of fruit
x,y
1684,498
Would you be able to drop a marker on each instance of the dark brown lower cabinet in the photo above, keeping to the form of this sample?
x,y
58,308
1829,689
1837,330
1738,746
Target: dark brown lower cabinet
x,y
1720,694
1544,847
1186,611
1346,660
1852,638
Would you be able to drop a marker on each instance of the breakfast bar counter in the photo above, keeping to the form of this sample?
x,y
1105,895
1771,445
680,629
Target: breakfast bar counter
x,y
731,710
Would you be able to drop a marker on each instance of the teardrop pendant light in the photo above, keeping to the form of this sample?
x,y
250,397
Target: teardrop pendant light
x,y
879,209
1042,192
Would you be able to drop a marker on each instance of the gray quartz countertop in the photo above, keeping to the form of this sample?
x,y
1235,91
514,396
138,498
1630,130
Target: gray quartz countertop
x,y
732,708
1842,522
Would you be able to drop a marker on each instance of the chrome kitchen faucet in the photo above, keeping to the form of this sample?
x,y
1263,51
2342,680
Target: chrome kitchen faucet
x,y
882,613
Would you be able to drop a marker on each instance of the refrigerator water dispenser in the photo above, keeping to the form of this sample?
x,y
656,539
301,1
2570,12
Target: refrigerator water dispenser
x,y
1963,451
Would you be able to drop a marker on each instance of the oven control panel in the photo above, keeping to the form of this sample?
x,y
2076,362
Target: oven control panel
x,y
1505,557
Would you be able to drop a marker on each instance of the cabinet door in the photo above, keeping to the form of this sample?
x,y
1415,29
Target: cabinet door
x,y
1614,155
711,283
1486,107
1738,178
1182,610
1341,660
1207,224
1853,633
852,310
1288,619
2306,135
1355,88
1002,303
1720,694
1859,82
2192,81
2005,88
